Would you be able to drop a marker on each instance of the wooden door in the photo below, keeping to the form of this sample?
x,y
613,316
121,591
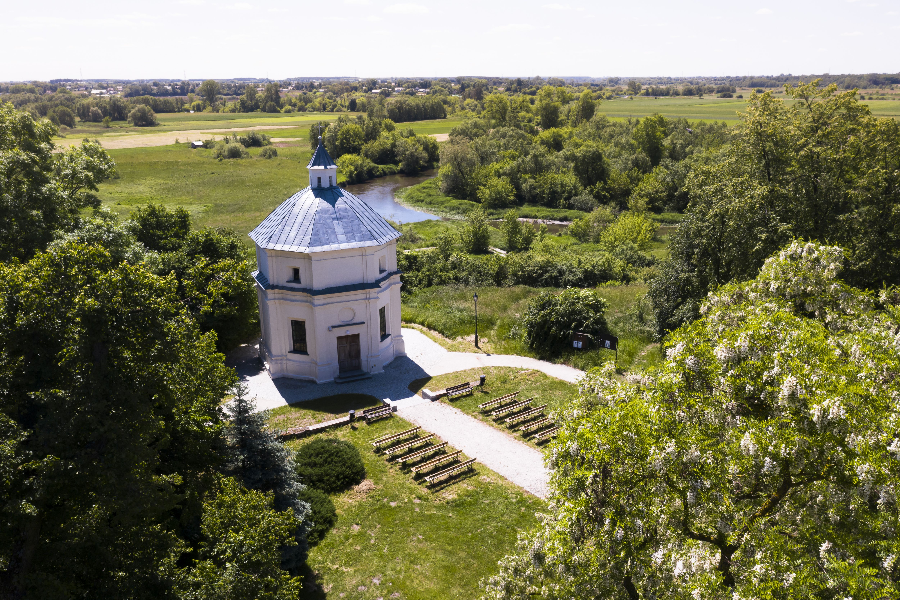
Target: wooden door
x,y
348,353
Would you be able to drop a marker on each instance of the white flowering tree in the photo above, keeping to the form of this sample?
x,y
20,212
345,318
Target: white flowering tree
x,y
759,461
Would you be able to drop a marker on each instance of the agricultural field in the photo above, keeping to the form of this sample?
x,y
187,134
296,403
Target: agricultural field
x,y
396,538
709,109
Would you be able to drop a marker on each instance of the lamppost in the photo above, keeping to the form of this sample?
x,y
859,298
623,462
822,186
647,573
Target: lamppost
x,y
476,318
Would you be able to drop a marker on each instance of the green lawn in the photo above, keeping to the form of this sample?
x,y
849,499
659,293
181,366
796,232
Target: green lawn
x,y
450,312
499,381
394,537
236,193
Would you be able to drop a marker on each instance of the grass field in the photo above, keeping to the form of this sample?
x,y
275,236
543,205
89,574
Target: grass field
x,y
397,539
499,381
229,193
450,313
709,109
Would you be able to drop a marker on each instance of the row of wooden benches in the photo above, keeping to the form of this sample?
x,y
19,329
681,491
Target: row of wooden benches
x,y
430,464
519,411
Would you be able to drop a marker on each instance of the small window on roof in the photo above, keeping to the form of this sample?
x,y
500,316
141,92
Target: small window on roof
x,y
295,274
329,181
318,182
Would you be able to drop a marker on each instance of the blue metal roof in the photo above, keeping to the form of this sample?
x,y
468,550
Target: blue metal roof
x,y
322,219
320,158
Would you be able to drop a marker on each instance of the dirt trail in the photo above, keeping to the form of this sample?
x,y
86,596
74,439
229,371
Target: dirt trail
x,y
147,140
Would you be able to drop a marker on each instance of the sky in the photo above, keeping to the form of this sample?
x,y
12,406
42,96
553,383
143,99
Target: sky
x,y
200,39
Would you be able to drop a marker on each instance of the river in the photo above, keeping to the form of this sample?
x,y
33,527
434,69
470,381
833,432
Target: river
x,y
379,194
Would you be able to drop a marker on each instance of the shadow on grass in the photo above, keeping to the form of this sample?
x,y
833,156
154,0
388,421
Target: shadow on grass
x,y
443,484
312,585
309,412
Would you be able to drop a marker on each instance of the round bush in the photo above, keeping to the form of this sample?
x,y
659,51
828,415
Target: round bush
x,y
552,317
322,516
268,152
329,465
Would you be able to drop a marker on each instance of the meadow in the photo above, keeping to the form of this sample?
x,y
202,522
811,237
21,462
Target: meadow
x,y
448,315
396,538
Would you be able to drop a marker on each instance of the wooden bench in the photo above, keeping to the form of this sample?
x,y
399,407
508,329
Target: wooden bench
x,y
497,401
459,390
510,408
422,453
547,433
394,437
463,466
377,412
525,415
427,466
408,445
535,424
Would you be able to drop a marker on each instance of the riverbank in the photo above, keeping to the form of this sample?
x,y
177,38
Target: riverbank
x,y
427,196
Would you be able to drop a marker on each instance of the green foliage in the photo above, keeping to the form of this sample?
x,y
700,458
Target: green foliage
x,y
535,268
552,318
759,461
355,168
476,235
322,514
42,192
329,465
142,116
496,192
160,229
112,397
820,168
224,151
268,152
590,228
239,558
519,236
254,139
209,89
629,227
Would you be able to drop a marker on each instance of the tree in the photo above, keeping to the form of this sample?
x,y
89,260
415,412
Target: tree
x,y
142,116
209,90
547,108
519,236
257,458
584,109
349,140
589,164
634,87
476,234
42,192
552,317
630,228
758,461
112,397
271,98
497,192
496,108
239,557
160,229
822,168
650,134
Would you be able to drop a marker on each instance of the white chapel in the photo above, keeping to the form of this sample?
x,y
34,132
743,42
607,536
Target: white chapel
x,y
327,283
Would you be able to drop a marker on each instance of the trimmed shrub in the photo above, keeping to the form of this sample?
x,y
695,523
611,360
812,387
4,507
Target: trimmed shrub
x,y
322,516
552,318
329,465
268,152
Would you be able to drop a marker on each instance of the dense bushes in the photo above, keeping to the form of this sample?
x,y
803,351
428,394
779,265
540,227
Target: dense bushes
x,y
329,465
322,514
232,150
535,268
552,318
268,152
254,140
141,116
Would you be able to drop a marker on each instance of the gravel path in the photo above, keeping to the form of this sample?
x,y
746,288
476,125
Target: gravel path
x,y
518,462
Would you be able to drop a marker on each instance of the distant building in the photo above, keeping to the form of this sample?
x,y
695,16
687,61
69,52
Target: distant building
x,y
327,283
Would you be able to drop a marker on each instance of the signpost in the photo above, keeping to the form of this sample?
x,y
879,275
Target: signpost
x,y
582,341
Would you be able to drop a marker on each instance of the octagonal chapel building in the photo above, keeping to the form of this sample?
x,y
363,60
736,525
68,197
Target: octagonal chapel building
x,y
327,283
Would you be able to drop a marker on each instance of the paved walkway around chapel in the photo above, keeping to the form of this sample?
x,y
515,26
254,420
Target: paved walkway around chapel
x,y
514,460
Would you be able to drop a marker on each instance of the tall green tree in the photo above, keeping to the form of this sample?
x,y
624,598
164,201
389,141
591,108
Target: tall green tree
x,y
758,461
209,90
821,168
476,234
109,396
42,192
